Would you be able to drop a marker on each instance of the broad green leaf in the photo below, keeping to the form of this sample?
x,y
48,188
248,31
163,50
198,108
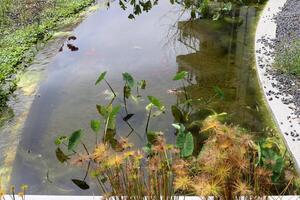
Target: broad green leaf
x,y
155,102
180,140
102,110
74,139
101,78
180,75
188,147
81,184
95,125
61,157
128,79
115,110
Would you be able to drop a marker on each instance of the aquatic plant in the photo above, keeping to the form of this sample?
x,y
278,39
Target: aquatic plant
x,y
228,165
12,193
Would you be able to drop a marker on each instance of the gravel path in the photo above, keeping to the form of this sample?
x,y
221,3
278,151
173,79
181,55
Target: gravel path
x,y
288,30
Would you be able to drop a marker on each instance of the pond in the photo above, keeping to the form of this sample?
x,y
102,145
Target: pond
x,y
153,47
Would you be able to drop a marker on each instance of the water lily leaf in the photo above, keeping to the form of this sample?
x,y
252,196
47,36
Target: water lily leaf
x,y
128,117
100,78
74,139
128,79
95,125
61,157
81,184
180,75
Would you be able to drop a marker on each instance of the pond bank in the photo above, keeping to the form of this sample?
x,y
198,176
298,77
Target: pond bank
x,y
272,85
19,46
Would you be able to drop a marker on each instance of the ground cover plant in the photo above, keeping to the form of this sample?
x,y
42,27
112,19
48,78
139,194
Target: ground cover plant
x,y
287,59
227,163
23,25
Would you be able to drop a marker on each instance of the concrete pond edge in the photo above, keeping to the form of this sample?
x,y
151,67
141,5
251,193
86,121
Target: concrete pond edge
x,y
283,115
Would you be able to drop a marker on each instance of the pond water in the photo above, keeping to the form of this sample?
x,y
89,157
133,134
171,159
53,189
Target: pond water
x,y
154,46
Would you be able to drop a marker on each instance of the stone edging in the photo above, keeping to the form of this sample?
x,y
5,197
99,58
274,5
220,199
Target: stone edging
x,y
282,113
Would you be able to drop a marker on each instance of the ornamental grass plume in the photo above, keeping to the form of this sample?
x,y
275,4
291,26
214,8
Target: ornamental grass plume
x,y
226,168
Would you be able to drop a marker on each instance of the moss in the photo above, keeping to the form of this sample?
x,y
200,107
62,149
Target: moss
x,y
19,46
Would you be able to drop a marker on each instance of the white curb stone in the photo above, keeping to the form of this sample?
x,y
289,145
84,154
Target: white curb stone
x,y
266,29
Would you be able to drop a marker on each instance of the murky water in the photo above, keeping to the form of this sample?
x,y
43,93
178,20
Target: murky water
x,y
153,47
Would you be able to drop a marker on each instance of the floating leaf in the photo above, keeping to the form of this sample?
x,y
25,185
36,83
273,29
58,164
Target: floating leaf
x,y
128,79
61,156
81,184
95,125
180,75
101,78
74,139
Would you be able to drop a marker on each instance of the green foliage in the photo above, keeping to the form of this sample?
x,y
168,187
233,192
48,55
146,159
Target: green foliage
x,y
20,35
270,156
101,77
184,141
74,139
95,126
180,75
287,59
128,79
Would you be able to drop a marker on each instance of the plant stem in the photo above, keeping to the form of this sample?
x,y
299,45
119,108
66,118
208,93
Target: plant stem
x,y
110,87
148,120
